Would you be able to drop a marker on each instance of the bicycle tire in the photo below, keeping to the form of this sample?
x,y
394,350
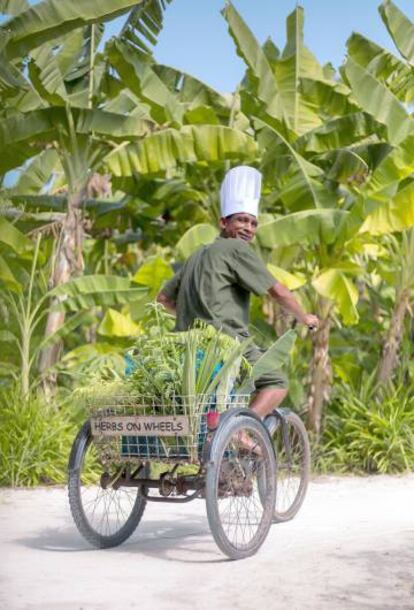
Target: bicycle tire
x,y
232,488
293,471
133,502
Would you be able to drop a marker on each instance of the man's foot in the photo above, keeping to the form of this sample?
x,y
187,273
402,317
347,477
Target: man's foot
x,y
247,446
235,479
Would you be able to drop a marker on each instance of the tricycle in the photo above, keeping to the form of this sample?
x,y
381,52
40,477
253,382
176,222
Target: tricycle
x,y
133,450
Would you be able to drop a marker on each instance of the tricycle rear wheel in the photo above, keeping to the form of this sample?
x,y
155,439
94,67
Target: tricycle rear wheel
x,y
291,444
105,515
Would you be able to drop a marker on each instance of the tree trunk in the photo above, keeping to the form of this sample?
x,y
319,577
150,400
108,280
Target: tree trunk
x,y
320,376
391,346
68,263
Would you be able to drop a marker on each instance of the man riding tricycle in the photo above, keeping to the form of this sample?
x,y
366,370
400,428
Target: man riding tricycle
x,y
218,435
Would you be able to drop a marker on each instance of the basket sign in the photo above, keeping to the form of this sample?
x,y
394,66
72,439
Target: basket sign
x,y
140,425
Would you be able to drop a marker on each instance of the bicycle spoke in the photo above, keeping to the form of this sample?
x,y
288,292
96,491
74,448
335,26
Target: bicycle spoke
x,y
107,510
240,507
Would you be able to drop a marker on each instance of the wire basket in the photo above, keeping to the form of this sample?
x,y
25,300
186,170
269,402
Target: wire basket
x,y
137,428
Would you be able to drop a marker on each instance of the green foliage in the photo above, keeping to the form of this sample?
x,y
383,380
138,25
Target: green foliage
x,y
96,290
49,19
334,285
116,324
367,432
306,227
378,101
400,28
26,308
90,361
275,357
289,280
35,438
153,273
13,7
336,152
188,363
166,149
199,235
390,216
13,237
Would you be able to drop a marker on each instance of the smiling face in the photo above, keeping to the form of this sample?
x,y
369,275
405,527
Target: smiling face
x,y
241,225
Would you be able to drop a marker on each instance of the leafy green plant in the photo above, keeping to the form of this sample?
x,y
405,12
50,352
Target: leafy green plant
x,y
196,362
35,438
26,304
189,373
368,432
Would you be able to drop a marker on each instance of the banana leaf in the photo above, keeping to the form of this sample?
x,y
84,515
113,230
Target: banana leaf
x,y
49,19
401,29
194,238
273,359
14,238
96,290
169,147
376,99
306,227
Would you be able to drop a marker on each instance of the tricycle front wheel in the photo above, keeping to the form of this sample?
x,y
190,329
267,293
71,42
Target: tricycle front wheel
x,y
240,486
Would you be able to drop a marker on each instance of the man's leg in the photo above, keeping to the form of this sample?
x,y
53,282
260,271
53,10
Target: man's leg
x,y
262,404
270,391
266,400
271,388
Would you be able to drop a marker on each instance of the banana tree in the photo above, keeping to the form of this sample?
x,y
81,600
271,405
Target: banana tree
x,y
306,120
331,245
138,127
316,150
401,255
55,109
27,301
382,84
325,277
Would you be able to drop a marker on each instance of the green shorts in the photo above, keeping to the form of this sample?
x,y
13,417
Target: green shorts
x,y
274,379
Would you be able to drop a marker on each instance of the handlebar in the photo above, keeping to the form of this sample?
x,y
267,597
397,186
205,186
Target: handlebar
x,y
311,328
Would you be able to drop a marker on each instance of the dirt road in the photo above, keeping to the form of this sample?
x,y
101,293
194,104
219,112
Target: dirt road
x,y
350,548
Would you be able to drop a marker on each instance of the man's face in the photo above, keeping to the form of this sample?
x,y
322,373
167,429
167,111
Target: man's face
x,y
242,225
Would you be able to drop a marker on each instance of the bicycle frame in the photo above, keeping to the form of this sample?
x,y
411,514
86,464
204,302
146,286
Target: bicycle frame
x,y
167,484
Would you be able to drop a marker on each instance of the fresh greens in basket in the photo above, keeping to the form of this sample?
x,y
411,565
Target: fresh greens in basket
x,y
180,373
199,362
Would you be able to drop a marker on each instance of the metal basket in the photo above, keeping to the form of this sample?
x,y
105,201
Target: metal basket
x,y
137,428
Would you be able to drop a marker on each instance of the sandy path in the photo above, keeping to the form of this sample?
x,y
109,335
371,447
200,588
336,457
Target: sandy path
x,y
351,547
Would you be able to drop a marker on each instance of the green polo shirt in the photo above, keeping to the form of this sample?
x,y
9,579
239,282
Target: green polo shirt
x,y
215,285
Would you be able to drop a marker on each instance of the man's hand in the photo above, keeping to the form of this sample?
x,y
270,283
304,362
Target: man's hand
x,y
311,321
169,304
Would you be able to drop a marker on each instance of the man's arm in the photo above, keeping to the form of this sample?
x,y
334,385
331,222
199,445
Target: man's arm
x,y
168,303
169,293
285,298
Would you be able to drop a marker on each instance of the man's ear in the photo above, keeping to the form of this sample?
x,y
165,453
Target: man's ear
x,y
223,223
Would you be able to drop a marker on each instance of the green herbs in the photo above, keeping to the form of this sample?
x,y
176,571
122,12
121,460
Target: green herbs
x,y
193,363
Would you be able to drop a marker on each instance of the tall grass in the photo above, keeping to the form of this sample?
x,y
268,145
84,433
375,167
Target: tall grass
x,y
368,431
35,439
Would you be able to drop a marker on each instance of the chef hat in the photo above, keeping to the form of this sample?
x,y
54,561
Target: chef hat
x,y
240,191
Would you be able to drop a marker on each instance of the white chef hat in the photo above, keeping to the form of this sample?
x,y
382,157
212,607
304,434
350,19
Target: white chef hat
x,y
240,191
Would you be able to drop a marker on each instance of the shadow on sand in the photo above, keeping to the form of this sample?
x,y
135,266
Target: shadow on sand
x,y
187,540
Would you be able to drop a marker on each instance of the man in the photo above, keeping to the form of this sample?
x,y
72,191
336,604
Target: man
x,y
216,281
